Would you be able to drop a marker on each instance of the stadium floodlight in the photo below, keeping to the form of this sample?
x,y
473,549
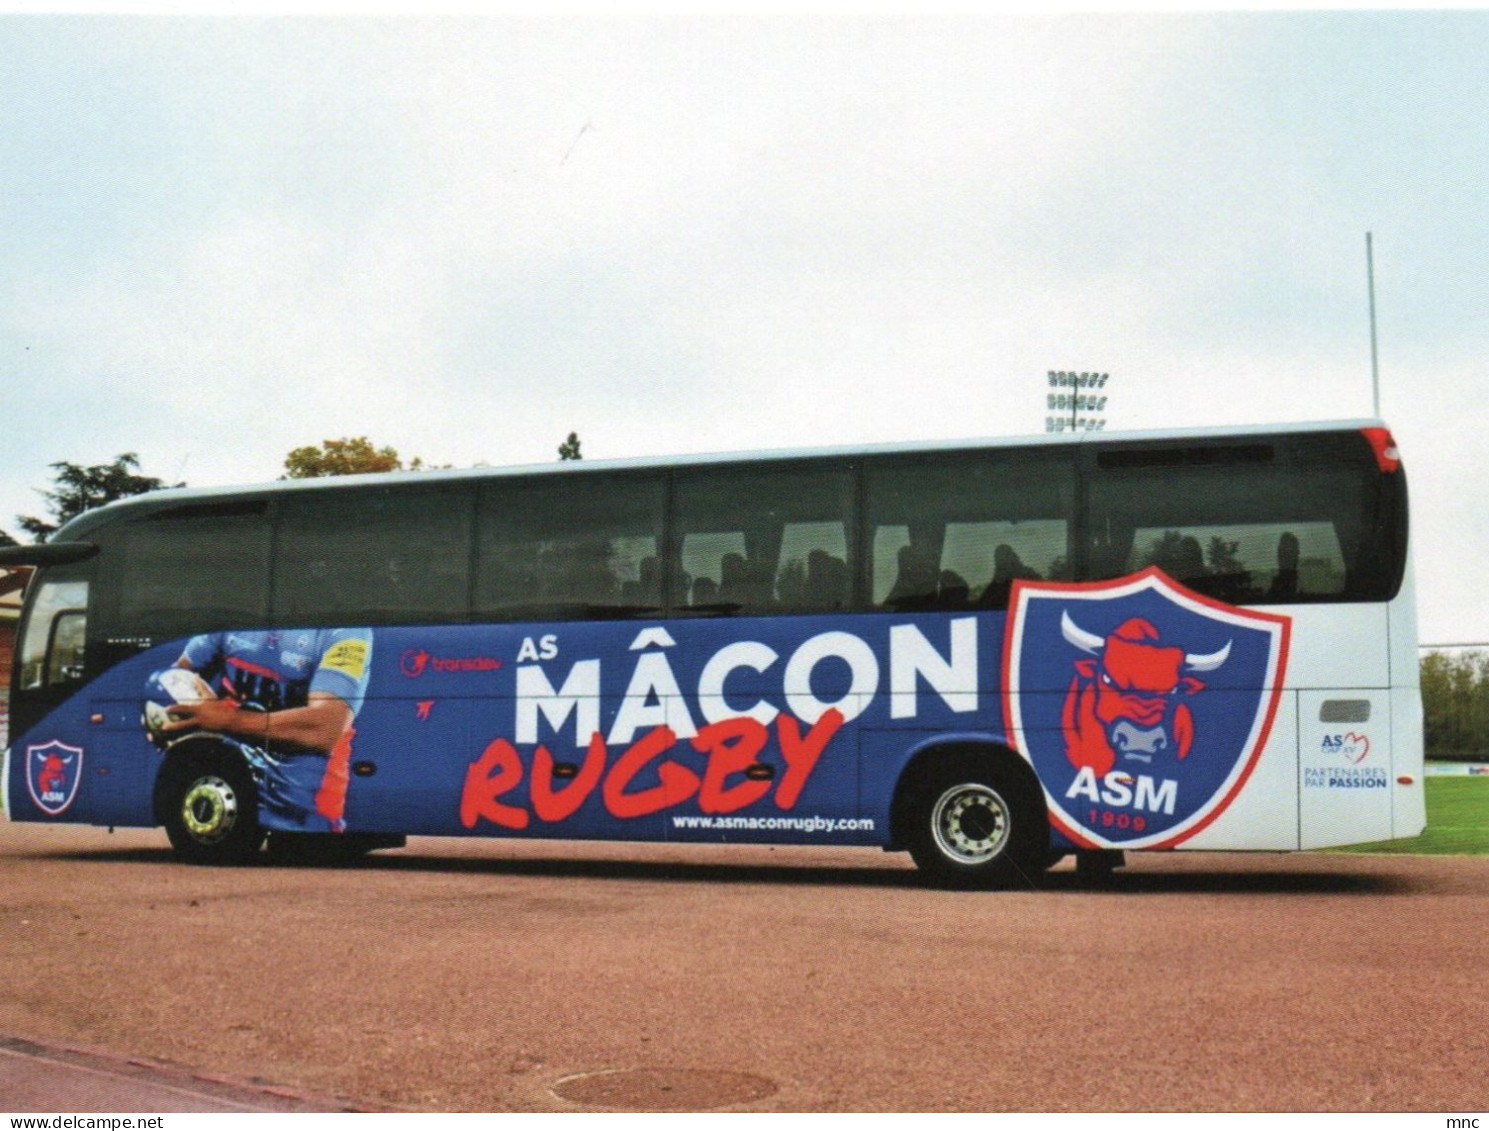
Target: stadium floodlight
x,y
1080,399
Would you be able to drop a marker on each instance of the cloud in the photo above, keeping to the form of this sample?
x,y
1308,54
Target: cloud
x,y
374,224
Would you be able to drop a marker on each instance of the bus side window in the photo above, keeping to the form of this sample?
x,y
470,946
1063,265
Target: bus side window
x,y
570,545
397,555
191,568
1243,533
958,532
763,541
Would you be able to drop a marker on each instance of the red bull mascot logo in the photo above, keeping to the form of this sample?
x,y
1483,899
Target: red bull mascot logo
x,y
1144,706
53,772
1129,701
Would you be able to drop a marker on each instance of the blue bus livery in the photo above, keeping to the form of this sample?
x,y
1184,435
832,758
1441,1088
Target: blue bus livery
x,y
678,666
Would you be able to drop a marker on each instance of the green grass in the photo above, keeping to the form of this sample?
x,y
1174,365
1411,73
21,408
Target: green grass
x,y
1457,821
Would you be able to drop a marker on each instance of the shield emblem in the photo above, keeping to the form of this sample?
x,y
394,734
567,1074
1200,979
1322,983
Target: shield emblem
x,y
1142,705
53,773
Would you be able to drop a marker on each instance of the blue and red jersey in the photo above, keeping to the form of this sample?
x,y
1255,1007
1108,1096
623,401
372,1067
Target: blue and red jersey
x,y
275,670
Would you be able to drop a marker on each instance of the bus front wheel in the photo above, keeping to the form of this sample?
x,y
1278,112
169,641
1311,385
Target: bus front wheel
x,y
211,811
978,827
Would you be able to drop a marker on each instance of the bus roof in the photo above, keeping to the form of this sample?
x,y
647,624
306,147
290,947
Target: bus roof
x,y
157,500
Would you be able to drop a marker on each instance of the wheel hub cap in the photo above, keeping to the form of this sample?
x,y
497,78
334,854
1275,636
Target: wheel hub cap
x,y
971,823
210,809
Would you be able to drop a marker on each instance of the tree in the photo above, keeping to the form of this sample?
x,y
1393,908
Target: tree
x,y
1222,558
80,489
6,539
347,456
569,449
1455,703
1177,554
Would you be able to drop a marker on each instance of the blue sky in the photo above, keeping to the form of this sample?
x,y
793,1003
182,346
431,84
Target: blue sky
x,y
466,237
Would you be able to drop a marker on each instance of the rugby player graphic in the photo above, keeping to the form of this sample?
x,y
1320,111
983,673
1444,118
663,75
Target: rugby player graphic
x,y
287,700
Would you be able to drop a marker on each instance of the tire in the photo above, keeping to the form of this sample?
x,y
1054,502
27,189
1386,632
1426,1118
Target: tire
x,y
977,824
211,809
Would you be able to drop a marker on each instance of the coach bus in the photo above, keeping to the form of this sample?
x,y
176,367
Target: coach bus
x,y
990,654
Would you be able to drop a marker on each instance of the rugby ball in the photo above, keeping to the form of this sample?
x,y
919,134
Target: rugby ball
x,y
164,690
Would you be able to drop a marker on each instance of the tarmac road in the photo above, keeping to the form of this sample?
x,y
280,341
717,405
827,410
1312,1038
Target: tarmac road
x,y
482,975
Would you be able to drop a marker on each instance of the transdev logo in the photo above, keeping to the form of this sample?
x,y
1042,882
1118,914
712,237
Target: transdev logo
x,y
53,773
416,661
1142,705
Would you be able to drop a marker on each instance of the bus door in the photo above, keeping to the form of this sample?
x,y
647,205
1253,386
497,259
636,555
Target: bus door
x,y
50,664
49,670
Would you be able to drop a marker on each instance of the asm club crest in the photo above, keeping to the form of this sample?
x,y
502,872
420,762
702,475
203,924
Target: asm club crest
x,y
53,772
1142,705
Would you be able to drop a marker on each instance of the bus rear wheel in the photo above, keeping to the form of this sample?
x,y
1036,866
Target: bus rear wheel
x,y
978,827
211,811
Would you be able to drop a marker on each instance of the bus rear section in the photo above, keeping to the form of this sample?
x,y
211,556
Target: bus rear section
x,y
1305,532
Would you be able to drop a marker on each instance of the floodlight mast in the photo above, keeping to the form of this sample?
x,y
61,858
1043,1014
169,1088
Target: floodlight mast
x,y
1076,400
1374,357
